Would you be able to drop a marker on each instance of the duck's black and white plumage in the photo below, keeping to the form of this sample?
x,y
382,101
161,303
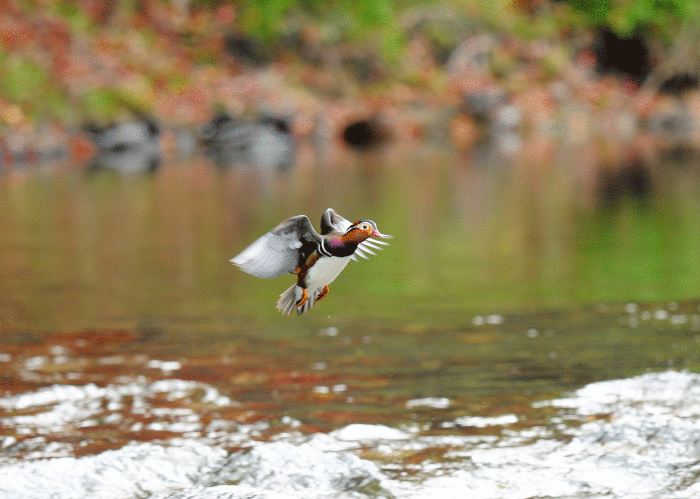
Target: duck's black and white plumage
x,y
294,247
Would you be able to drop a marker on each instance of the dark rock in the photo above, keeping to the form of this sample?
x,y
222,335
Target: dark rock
x,y
247,50
364,134
679,83
622,56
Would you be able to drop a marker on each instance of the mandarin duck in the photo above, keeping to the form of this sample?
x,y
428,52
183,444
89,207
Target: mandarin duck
x,y
294,247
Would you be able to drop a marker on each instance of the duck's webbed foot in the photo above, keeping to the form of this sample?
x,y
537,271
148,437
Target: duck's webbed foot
x,y
304,296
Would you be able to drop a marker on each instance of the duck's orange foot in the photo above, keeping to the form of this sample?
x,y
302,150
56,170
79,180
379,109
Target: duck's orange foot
x,y
322,294
304,296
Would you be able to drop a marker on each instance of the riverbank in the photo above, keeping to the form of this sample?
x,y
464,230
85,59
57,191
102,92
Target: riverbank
x,y
65,69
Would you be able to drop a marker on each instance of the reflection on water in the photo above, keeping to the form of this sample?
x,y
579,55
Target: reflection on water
x,y
130,147
453,308
264,145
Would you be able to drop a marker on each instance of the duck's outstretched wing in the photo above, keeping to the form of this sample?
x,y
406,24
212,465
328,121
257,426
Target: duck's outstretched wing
x,y
280,251
331,221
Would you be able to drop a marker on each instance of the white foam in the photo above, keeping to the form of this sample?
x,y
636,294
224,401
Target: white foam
x,y
636,437
434,402
126,472
67,404
481,422
224,492
302,469
359,432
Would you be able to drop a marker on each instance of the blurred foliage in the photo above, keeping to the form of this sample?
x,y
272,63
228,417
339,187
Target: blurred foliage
x,y
76,18
625,16
100,102
25,83
145,52
349,20
352,17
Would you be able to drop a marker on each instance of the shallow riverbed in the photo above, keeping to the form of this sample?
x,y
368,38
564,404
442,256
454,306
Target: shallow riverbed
x,y
635,437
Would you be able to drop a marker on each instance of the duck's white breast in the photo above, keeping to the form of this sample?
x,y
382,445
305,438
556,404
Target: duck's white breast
x,y
325,271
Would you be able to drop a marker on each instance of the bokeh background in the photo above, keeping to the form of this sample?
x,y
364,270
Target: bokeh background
x,y
535,160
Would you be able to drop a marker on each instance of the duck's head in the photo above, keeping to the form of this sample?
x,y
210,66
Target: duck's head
x,y
362,230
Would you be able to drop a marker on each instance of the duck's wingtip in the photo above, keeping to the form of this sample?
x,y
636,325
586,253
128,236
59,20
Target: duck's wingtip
x,y
240,261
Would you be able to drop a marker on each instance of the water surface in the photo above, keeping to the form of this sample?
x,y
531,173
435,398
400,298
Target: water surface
x,y
510,278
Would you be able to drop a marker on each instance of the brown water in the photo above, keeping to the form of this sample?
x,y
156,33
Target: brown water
x,y
509,279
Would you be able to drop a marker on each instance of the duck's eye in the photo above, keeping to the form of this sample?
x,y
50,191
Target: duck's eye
x,y
364,226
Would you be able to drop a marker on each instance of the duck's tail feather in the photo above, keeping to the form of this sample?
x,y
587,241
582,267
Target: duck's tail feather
x,y
288,300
